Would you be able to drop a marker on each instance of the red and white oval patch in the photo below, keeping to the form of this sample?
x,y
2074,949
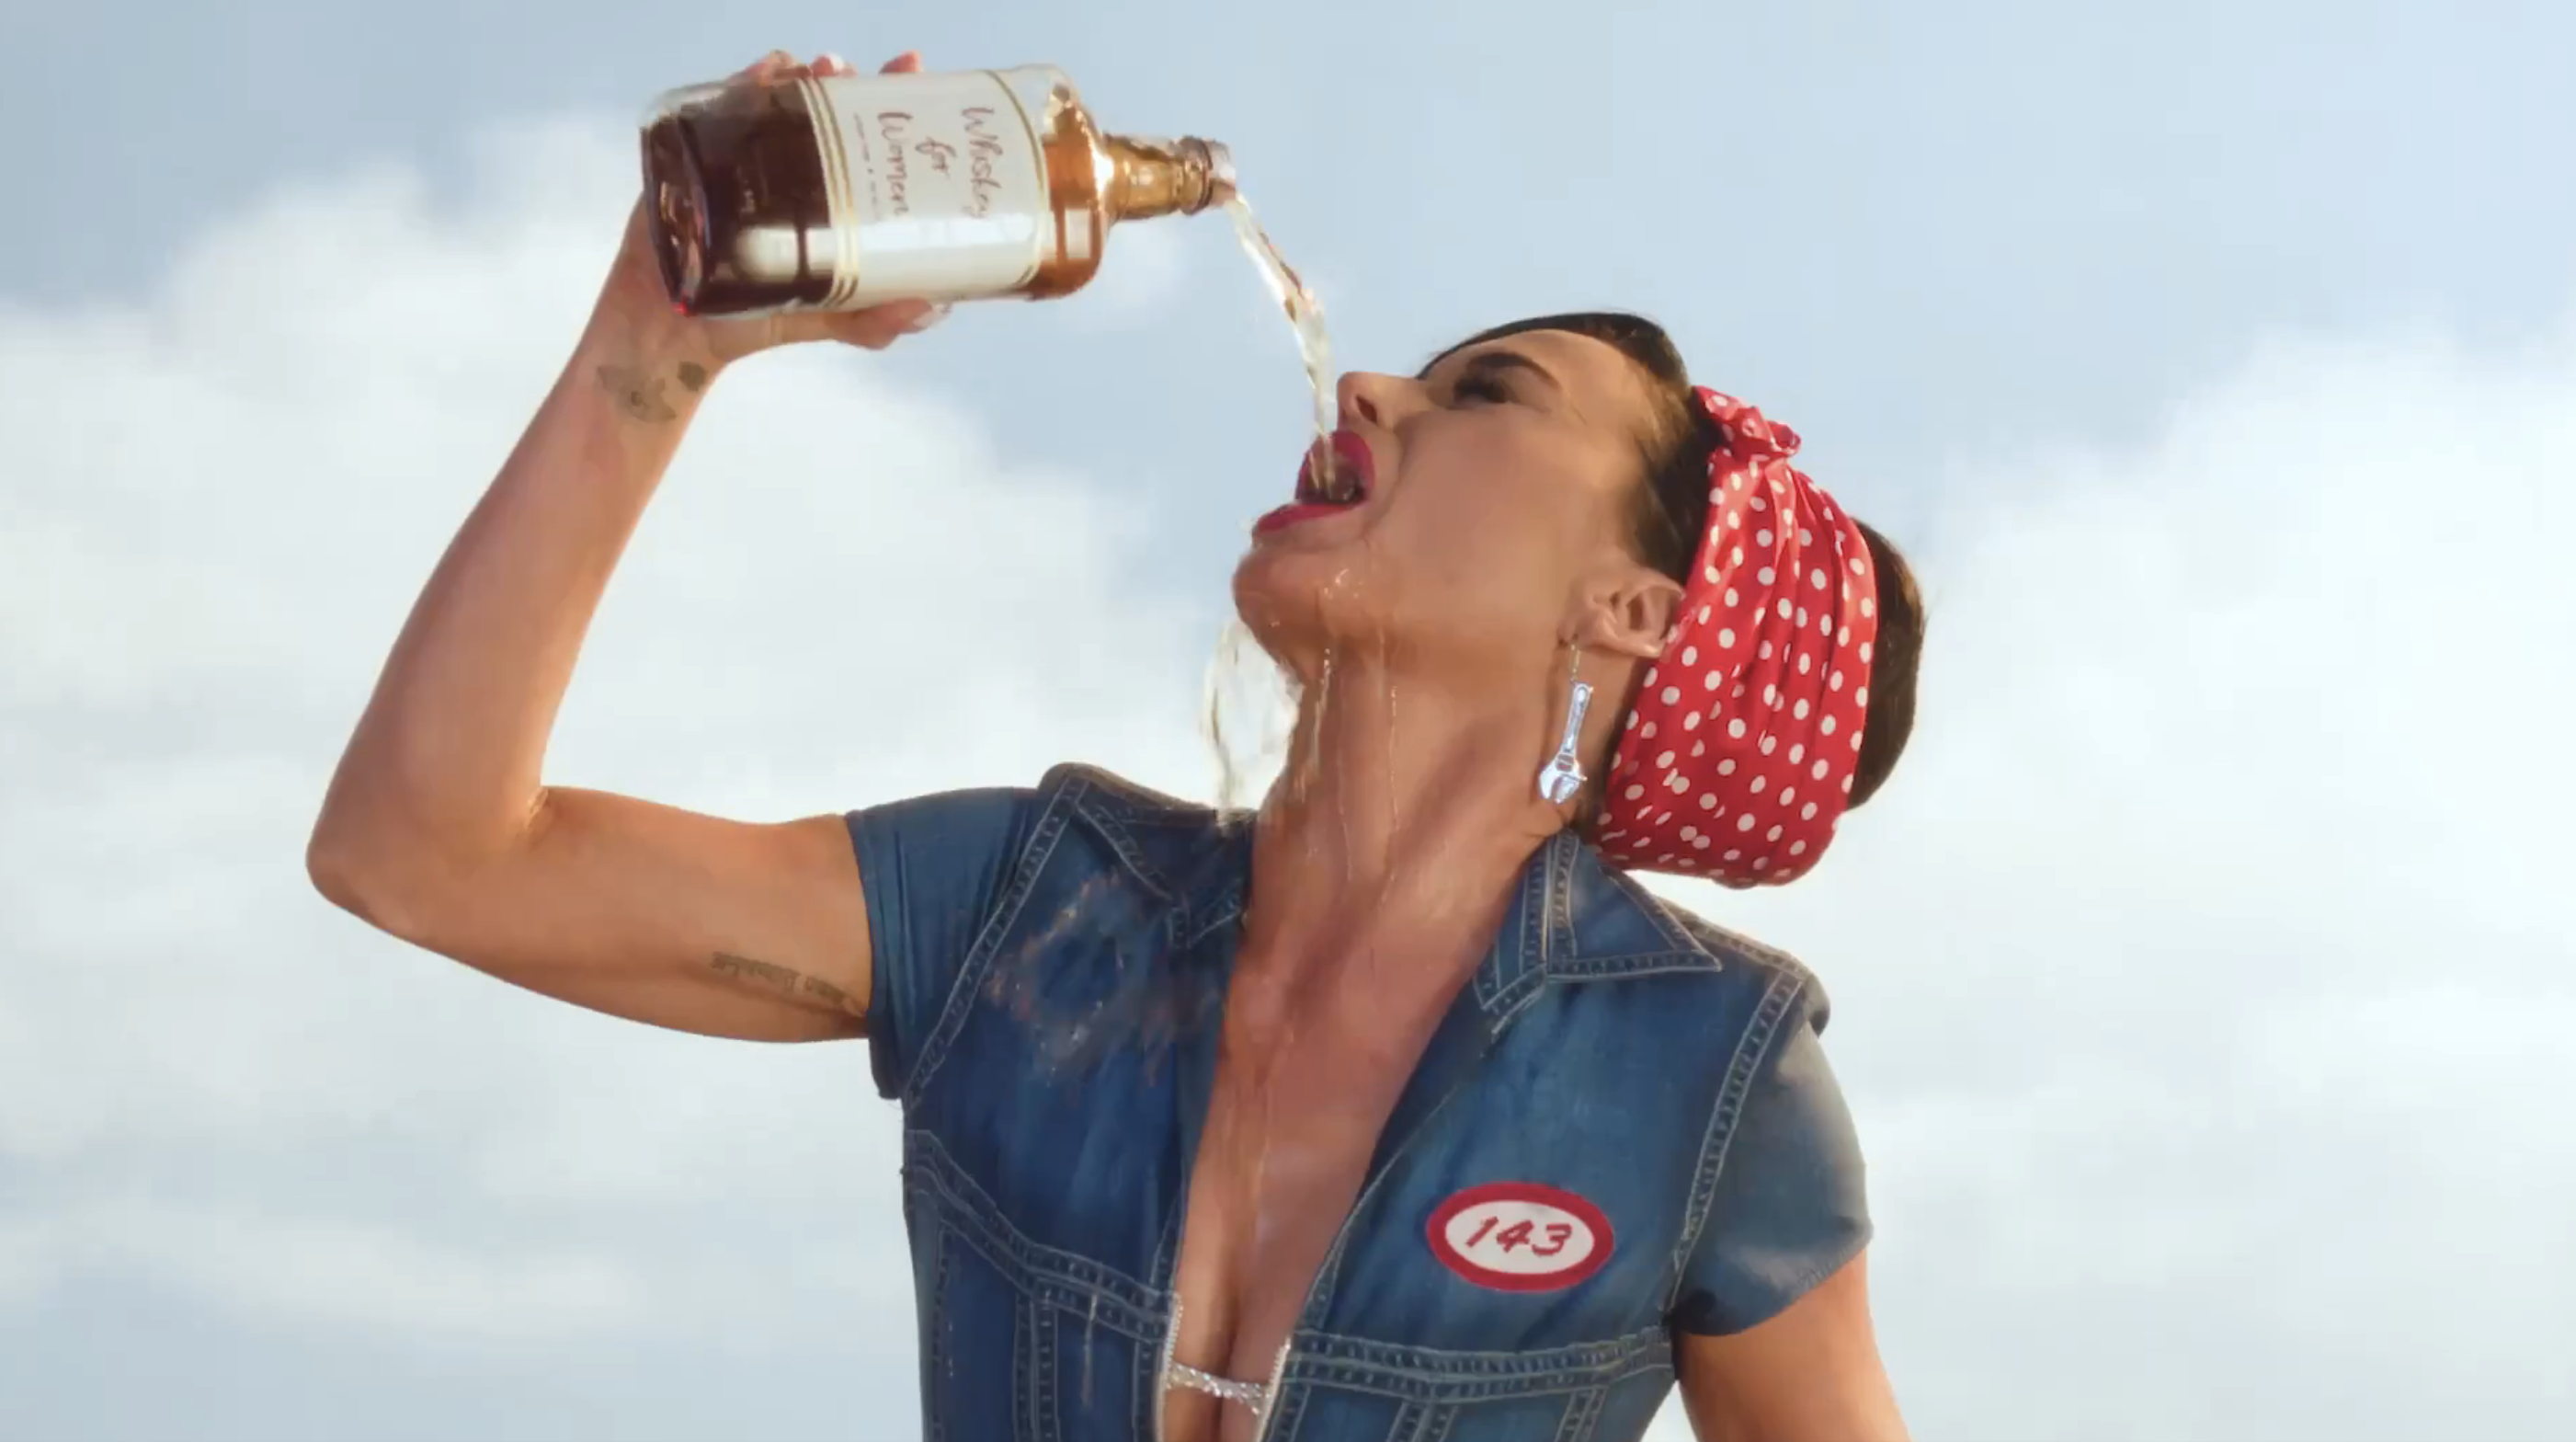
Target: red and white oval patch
x,y
1520,1237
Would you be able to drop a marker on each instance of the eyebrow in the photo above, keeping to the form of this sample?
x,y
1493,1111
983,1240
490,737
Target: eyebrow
x,y
1487,362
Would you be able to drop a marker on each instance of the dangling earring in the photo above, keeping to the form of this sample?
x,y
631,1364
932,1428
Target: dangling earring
x,y
1562,777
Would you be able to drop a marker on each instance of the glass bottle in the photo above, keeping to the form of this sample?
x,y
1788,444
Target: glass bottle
x,y
840,192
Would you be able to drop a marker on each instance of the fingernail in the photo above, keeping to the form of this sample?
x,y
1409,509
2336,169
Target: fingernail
x,y
927,319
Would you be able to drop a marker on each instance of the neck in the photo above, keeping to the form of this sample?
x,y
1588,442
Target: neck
x,y
1405,815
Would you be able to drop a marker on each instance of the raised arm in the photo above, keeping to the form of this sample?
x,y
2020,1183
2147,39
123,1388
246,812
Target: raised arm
x,y
439,827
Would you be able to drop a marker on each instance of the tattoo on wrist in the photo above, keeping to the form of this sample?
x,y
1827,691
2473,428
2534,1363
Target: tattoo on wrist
x,y
811,992
644,396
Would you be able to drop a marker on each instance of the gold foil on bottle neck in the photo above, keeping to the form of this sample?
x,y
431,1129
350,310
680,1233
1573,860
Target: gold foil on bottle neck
x,y
1151,177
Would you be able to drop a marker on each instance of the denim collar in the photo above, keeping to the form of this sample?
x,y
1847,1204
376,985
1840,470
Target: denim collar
x,y
1573,916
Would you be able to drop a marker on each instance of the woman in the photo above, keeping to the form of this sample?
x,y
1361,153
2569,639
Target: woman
x,y
1398,1113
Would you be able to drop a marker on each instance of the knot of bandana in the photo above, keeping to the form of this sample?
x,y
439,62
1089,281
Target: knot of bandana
x,y
1736,761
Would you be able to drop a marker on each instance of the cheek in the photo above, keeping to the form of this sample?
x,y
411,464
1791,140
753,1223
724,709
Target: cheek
x,y
1480,543
1507,544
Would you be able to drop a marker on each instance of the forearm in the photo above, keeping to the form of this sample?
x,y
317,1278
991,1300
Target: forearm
x,y
446,761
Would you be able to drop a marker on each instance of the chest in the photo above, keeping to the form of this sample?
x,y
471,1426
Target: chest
x,y
1478,1241
1284,1153
1488,1234
1295,1113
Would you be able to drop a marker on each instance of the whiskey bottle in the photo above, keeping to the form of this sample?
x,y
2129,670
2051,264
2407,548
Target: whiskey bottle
x,y
843,191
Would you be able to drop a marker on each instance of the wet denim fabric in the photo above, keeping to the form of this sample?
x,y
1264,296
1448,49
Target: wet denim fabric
x,y
1050,972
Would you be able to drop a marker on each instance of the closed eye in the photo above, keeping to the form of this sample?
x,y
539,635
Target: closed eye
x,y
1491,377
1481,386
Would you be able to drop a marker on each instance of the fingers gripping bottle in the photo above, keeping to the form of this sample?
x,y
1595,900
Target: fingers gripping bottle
x,y
838,192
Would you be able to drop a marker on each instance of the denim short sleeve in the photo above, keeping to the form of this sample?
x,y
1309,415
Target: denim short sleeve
x,y
1791,1207
933,869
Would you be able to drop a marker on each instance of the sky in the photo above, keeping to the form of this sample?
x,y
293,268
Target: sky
x,y
2201,983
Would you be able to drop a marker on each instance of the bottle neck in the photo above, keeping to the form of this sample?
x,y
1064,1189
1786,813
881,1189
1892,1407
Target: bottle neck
x,y
1165,177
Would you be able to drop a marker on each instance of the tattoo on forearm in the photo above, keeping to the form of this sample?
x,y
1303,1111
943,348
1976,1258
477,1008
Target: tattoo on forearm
x,y
640,395
693,377
811,992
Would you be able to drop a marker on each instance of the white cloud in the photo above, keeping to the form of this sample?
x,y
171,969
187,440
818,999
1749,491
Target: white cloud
x,y
2201,980
220,503
332,1271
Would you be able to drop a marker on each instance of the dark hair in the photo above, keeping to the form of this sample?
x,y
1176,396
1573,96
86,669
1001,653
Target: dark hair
x,y
1671,511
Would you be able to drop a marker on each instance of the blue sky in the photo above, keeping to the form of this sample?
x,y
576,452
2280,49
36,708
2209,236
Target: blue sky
x,y
2200,982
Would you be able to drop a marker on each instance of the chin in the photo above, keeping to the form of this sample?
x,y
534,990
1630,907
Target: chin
x,y
1299,602
1280,608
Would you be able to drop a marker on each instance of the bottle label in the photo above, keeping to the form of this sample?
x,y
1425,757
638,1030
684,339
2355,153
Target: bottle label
x,y
942,187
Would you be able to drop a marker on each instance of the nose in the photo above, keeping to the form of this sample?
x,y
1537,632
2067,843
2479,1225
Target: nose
x,y
1378,400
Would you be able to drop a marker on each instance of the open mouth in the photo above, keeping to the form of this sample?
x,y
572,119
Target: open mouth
x,y
1339,471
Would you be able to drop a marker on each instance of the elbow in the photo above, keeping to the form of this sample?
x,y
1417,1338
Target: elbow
x,y
355,839
413,882
380,874
331,864
390,892
353,875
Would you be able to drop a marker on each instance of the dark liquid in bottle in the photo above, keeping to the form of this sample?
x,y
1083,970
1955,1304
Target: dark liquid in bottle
x,y
735,196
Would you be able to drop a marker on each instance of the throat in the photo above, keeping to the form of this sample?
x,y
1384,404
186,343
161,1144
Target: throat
x,y
1396,800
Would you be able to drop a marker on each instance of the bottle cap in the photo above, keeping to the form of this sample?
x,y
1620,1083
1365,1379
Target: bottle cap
x,y
1220,164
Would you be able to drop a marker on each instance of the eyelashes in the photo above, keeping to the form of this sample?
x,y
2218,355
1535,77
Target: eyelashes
x,y
1480,387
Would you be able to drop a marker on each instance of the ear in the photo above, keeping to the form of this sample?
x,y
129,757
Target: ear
x,y
1628,612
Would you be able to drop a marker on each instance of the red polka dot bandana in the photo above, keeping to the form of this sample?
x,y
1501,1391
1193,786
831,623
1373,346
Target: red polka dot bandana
x,y
1736,762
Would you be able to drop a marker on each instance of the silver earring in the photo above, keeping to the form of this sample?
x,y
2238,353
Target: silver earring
x,y
1562,777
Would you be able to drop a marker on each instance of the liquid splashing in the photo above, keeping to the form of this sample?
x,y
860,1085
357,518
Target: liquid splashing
x,y
1251,706
1305,313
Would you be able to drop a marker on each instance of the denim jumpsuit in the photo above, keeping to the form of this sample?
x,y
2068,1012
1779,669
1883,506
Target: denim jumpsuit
x,y
1622,1129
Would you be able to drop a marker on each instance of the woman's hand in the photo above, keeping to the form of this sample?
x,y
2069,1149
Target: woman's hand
x,y
635,303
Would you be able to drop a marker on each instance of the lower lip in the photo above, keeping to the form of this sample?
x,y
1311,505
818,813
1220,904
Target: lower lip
x,y
1294,515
